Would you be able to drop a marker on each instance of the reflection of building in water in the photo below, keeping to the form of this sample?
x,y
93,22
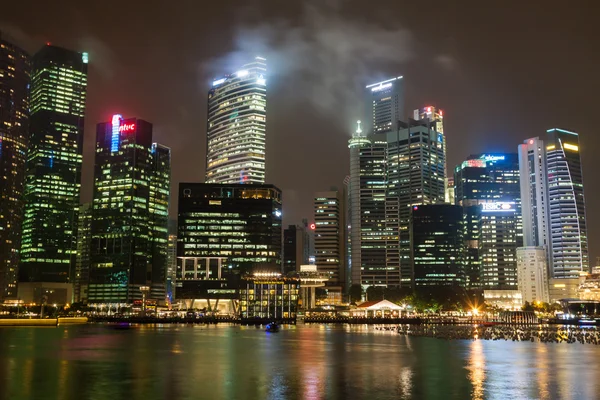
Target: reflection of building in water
x,y
269,295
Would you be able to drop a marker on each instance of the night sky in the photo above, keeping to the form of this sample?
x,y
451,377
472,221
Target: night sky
x,y
502,71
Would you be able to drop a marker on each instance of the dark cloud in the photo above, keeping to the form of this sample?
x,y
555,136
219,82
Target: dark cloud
x,y
325,58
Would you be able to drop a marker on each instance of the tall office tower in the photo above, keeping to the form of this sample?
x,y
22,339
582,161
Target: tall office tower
x,y
330,244
237,120
437,245
568,230
14,124
487,187
228,227
295,248
554,203
385,105
82,264
367,190
415,162
534,193
532,268
53,171
171,260
130,213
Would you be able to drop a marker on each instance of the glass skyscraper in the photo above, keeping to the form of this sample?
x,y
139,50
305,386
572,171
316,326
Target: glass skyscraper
x,y
437,245
236,132
568,230
53,172
384,105
389,173
129,229
487,187
14,124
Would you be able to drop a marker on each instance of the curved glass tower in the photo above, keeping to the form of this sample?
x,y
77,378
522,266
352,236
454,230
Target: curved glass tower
x,y
237,125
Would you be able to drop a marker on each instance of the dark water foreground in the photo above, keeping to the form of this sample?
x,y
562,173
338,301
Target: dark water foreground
x,y
300,362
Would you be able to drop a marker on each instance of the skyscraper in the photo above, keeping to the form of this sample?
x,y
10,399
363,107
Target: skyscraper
x,y
53,172
553,201
415,176
295,248
487,186
330,244
534,193
385,105
568,229
14,124
84,240
437,245
367,189
130,213
390,173
237,126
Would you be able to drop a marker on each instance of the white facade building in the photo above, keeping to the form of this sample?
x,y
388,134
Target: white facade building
x,y
532,274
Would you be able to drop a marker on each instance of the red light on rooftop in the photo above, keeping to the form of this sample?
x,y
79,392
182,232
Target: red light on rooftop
x,y
313,226
48,44
530,141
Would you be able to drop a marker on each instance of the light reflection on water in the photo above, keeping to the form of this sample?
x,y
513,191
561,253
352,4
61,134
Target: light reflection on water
x,y
303,362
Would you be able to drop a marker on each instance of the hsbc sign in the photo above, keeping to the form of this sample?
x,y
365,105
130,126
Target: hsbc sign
x,y
499,207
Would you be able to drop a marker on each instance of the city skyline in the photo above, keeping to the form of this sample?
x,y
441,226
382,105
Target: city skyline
x,y
501,127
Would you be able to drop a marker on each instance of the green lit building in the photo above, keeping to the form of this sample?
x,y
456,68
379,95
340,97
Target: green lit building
x,y
14,123
53,171
129,230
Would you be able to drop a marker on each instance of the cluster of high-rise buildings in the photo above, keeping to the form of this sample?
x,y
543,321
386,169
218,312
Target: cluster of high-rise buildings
x,y
52,249
511,224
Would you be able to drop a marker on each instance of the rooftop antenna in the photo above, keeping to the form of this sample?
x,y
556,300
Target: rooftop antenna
x,y
358,130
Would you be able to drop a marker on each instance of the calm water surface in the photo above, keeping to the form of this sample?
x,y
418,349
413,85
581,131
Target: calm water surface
x,y
304,362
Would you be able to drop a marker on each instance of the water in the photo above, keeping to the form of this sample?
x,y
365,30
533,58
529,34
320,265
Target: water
x,y
303,362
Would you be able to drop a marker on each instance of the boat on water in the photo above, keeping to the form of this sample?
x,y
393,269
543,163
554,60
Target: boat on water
x,y
272,327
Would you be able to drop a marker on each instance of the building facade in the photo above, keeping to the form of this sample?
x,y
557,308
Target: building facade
x,y
82,264
330,234
53,171
236,132
385,105
554,202
269,295
295,248
566,201
15,70
390,173
129,227
532,268
437,245
487,187
237,226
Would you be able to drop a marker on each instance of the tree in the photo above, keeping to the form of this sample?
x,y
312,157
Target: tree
x,y
356,293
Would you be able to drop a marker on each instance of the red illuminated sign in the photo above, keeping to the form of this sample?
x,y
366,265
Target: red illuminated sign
x,y
126,127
